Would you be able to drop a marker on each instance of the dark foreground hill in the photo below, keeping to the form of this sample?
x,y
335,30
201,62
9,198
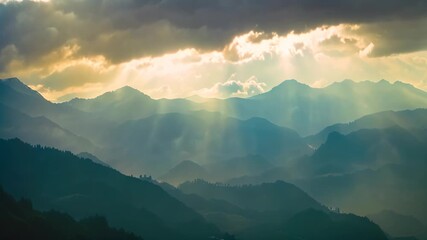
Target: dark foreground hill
x,y
20,221
58,180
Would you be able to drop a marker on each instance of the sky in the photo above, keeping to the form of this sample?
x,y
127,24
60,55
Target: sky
x,y
211,48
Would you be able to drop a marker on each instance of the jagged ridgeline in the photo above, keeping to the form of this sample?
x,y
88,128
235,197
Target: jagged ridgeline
x,y
137,134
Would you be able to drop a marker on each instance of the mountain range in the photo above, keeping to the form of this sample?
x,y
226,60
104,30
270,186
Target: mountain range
x,y
61,181
341,146
362,172
136,134
275,211
308,110
406,119
58,180
290,104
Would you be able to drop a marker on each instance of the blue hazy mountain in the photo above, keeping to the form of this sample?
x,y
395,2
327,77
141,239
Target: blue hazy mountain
x,y
154,144
40,130
239,166
399,225
21,221
399,187
381,168
185,171
273,211
278,196
127,103
360,150
407,119
16,95
58,180
159,142
218,171
362,172
112,121
367,149
374,165
309,110
227,216
291,104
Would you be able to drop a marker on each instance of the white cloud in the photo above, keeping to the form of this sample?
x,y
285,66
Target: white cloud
x,y
318,57
233,88
366,51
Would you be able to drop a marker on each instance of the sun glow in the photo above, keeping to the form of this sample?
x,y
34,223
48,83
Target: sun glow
x,y
332,53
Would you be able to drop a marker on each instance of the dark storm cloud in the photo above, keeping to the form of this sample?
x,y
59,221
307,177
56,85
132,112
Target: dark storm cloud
x,y
396,36
122,30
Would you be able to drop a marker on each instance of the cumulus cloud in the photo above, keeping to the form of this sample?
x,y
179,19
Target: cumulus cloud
x,y
233,88
127,29
190,44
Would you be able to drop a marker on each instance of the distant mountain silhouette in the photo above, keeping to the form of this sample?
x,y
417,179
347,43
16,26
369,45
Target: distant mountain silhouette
x,y
407,119
362,172
398,225
227,216
272,175
367,148
217,171
82,188
309,110
113,121
278,196
290,104
185,171
40,130
18,86
20,221
172,137
237,167
400,187
127,103
159,142
372,141
16,95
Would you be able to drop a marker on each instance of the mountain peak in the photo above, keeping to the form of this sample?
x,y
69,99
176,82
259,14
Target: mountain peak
x,y
183,171
187,164
125,92
15,84
290,83
383,81
285,86
11,80
128,90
